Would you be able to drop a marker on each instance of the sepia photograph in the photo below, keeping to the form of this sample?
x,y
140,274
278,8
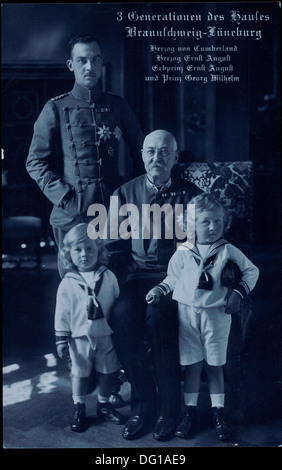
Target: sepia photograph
x,y
141,214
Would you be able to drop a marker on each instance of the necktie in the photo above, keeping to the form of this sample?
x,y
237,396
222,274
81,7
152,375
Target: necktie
x,y
205,280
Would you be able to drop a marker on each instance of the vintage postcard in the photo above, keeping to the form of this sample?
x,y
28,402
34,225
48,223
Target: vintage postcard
x,y
110,112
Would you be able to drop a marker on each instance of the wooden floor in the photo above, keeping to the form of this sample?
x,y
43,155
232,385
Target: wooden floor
x,y
37,404
37,409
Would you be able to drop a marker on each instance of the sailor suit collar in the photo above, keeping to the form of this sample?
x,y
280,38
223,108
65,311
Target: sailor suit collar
x,y
205,279
214,248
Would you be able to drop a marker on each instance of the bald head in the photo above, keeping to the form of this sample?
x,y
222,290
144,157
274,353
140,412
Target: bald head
x,y
159,155
163,136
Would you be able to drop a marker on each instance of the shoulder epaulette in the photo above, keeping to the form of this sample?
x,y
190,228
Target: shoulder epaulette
x,y
60,96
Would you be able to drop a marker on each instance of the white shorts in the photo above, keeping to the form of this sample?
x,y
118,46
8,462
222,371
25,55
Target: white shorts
x,y
100,353
203,335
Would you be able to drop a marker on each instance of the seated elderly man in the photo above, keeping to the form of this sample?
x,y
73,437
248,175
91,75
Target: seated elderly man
x,y
146,336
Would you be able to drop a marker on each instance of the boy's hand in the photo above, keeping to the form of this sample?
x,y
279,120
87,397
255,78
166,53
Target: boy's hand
x,y
233,303
63,351
154,295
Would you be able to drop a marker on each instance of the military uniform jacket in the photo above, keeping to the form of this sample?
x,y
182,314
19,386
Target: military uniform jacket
x,y
150,245
73,155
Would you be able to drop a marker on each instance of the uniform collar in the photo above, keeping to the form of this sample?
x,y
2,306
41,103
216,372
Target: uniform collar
x,y
153,187
86,95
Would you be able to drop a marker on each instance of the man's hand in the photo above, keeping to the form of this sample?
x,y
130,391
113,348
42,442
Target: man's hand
x,y
154,295
63,351
233,303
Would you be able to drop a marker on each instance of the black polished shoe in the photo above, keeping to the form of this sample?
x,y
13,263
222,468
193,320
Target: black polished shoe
x,y
222,430
134,428
164,429
78,424
187,426
108,413
116,400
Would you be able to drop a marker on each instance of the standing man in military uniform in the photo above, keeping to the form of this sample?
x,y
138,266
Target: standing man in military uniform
x,y
73,155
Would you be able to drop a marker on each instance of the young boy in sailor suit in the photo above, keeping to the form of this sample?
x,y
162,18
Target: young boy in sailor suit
x,y
84,300
195,275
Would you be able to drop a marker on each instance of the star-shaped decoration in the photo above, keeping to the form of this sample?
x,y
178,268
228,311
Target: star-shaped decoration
x,y
117,133
104,133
